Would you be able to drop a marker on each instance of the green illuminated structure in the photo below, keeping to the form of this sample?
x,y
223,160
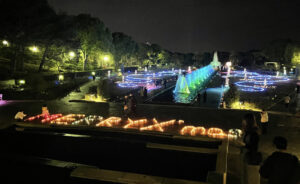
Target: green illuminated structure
x,y
182,86
188,86
215,62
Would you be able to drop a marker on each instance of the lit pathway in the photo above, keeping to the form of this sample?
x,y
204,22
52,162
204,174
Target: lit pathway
x,y
84,89
213,100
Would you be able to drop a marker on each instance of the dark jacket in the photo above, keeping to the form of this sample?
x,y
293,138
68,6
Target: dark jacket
x,y
251,140
280,168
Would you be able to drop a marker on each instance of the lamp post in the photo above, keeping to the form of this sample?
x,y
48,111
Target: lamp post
x,y
5,43
34,49
71,54
61,77
22,82
105,60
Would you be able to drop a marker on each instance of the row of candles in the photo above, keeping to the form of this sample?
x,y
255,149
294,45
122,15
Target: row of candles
x,y
140,124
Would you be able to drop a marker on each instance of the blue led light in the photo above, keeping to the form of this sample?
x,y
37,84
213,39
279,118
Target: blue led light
x,y
255,82
144,79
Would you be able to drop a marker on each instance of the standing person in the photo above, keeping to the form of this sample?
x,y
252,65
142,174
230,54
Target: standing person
x,y
251,158
45,110
133,105
199,97
126,106
224,104
281,167
204,96
287,101
145,92
20,116
165,83
251,137
264,120
142,92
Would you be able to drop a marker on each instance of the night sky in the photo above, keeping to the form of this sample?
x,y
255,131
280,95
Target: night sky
x,y
195,25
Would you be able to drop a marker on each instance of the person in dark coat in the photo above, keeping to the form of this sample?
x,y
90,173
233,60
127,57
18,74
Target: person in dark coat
x,y
132,104
145,92
249,152
126,106
251,139
204,96
199,97
280,167
165,83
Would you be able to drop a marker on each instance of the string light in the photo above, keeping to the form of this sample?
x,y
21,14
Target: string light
x,y
68,119
136,123
90,120
109,122
140,124
144,80
255,82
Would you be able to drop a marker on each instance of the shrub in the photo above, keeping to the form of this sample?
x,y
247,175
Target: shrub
x,y
232,95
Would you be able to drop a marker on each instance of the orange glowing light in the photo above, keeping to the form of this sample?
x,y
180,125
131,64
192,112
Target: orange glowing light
x,y
136,123
65,120
198,131
109,122
216,133
180,122
186,130
159,126
48,118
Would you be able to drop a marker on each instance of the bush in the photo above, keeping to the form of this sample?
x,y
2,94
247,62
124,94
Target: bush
x,y
232,95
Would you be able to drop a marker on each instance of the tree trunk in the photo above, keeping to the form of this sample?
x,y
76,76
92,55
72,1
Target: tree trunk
x,y
13,61
43,58
21,60
85,62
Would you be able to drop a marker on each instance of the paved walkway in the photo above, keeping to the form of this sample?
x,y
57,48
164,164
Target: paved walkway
x,y
84,89
294,107
214,96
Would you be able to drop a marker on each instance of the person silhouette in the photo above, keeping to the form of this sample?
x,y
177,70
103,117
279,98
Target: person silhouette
x,y
280,167
204,96
145,92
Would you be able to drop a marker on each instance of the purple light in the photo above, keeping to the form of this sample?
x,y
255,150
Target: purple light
x,y
3,102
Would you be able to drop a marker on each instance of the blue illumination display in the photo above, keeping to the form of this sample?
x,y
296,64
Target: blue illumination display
x,y
145,79
255,82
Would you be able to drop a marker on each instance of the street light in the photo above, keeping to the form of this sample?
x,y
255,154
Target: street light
x,y
34,49
22,82
105,58
71,54
61,77
5,43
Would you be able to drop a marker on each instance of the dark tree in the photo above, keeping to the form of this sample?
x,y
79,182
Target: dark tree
x,y
19,20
